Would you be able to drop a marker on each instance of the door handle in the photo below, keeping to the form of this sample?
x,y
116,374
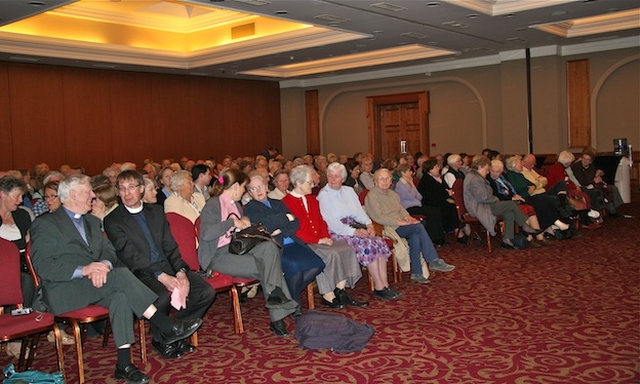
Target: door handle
x,y
403,146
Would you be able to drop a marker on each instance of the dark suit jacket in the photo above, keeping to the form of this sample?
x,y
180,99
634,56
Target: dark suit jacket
x,y
131,245
58,249
274,218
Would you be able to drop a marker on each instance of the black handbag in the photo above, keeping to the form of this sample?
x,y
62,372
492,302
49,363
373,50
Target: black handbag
x,y
243,240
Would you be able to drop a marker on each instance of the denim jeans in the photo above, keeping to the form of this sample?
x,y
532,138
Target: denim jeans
x,y
419,241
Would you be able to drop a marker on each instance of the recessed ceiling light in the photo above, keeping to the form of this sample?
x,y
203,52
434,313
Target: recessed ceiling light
x,y
472,16
433,4
36,3
282,13
611,10
508,15
521,29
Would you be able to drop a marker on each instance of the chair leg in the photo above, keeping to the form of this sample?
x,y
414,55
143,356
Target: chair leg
x,y
371,282
142,334
310,296
194,339
33,348
59,351
78,339
488,240
237,314
397,272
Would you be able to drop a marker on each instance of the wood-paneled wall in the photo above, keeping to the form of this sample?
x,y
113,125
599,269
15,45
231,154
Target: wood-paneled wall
x,y
61,115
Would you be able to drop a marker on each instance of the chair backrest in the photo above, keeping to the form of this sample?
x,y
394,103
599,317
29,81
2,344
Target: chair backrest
x,y
197,224
458,197
10,289
184,232
362,196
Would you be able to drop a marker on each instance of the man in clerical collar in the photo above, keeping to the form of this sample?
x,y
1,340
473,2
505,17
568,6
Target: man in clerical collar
x,y
143,241
77,265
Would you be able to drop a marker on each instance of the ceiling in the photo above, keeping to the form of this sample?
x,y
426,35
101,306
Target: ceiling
x,y
306,42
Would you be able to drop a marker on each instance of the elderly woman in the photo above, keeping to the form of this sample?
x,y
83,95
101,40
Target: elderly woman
x,y
454,172
299,263
163,179
482,204
51,197
366,175
353,177
541,209
150,192
348,222
183,200
560,177
436,193
342,268
221,215
105,202
383,205
411,200
281,185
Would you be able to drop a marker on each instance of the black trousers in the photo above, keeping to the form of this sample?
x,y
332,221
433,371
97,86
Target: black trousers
x,y
201,296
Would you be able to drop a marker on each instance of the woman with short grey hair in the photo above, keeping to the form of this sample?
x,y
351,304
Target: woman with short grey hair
x,y
183,200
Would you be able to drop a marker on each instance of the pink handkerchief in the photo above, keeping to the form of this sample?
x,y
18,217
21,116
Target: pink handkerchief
x,y
178,299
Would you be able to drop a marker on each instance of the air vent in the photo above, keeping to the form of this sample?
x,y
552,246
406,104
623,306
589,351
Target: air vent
x,y
455,24
414,35
332,18
389,7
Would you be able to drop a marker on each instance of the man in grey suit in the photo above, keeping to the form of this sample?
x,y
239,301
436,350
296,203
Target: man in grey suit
x,y
76,264
141,236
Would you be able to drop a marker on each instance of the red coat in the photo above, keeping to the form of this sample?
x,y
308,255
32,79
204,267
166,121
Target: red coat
x,y
312,225
557,173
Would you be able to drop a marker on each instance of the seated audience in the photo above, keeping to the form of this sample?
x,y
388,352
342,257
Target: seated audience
x,y
353,177
299,263
106,201
383,205
281,185
341,265
454,172
201,176
41,207
590,179
437,194
163,179
221,215
143,242
150,192
348,222
411,200
77,266
183,200
51,197
366,177
482,204
541,209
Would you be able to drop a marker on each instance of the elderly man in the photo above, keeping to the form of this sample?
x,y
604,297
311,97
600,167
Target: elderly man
x,y
76,265
590,178
143,242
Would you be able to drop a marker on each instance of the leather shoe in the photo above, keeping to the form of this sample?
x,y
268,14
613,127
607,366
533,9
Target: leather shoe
x,y
168,351
345,299
279,328
297,312
185,347
277,297
181,330
131,374
335,304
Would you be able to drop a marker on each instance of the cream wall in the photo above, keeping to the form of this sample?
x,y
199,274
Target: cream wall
x,y
481,107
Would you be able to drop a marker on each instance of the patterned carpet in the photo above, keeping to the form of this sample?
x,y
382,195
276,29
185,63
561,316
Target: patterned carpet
x,y
563,314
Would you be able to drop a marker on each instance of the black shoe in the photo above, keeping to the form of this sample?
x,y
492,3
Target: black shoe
x,y
335,304
168,351
131,374
185,347
508,246
386,294
463,239
345,299
277,297
279,328
297,312
181,330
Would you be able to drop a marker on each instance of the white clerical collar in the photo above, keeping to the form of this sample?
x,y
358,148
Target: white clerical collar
x,y
135,210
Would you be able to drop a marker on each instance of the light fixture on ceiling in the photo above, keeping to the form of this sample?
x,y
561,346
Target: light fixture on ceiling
x,y
585,26
389,7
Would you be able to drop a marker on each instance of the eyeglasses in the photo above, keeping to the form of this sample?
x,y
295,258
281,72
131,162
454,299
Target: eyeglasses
x,y
256,188
310,183
50,197
125,188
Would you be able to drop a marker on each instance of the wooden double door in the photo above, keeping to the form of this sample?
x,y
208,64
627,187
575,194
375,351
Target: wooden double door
x,y
398,124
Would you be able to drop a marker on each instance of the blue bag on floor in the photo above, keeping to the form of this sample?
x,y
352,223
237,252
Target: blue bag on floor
x,y
321,330
30,377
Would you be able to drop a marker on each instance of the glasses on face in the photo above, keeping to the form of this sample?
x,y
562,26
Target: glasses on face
x,y
309,183
47,197
129,188
384,178
256,188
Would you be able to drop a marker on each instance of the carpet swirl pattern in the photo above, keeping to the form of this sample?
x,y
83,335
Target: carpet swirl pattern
x,y
563,314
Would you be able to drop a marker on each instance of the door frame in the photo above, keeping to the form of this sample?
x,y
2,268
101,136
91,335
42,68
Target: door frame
x,y
373,118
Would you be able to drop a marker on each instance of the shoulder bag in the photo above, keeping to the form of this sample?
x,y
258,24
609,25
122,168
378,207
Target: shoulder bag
x,y
243,240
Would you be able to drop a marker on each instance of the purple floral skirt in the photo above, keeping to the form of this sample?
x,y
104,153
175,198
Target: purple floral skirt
x,y
367,248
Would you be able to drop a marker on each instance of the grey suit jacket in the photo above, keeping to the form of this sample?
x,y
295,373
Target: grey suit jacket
x,y
58,249
478,196
211,228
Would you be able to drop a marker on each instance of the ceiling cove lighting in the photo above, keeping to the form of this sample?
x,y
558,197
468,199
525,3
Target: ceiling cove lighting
x,y
356,60
610,22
